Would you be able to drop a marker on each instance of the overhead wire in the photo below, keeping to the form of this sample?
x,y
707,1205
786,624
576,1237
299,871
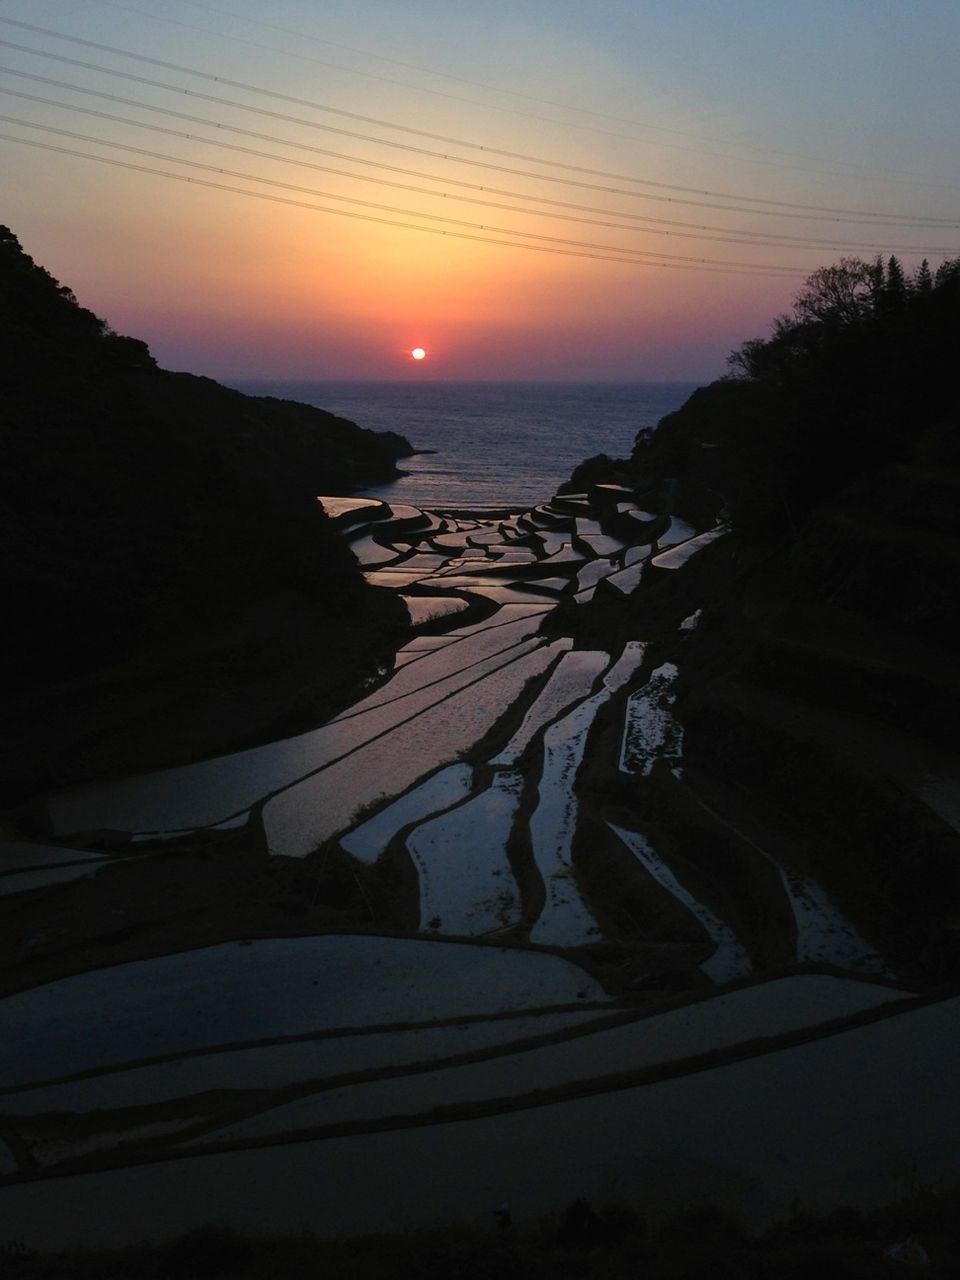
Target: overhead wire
x,y
763,204
706,140
761,239
610,256
638,254
880,220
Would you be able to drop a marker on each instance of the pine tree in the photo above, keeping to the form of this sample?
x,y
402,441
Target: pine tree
x,y
895,290
948,270
876,281
923,280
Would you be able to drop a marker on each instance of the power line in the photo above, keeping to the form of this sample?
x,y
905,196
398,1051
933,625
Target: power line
x,y
706,141
879,220
772,205
639,254
390,222
403,84
413,66
735,238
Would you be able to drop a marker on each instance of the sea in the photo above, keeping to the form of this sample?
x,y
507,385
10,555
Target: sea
x,y
490,444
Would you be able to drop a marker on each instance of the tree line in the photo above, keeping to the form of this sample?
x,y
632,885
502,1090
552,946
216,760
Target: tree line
x,y
867,361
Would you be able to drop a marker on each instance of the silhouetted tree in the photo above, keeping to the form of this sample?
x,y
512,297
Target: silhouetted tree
x,y
895,288
866,362
878,281
839,294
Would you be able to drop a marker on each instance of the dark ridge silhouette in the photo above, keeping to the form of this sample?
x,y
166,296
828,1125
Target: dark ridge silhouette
x,y
820,691
142,510
848,384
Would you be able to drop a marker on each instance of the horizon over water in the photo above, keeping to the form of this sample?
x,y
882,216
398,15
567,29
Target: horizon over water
x,y
494,444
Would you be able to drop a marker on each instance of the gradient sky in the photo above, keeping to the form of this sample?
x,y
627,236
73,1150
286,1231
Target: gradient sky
x,y
750,128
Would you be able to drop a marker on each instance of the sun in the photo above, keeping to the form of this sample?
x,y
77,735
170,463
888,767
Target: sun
x,y
418,353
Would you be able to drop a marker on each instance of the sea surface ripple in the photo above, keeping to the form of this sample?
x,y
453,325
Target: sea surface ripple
x,y
494,444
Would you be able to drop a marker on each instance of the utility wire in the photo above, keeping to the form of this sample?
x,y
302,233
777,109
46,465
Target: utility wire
x,y
612,255
706,141
879,220
734,238
640,254
771,205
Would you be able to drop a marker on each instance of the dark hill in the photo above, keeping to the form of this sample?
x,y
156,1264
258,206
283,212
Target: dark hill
x,y
847,385
157,524
820,692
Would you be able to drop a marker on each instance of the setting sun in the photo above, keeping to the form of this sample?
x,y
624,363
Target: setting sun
x,y
418,353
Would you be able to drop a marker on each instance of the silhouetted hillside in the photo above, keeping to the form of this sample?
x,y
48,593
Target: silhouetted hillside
x,y
820,690
143,508
848,384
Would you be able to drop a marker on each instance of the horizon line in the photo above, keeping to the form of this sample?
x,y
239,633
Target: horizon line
x,y
407,381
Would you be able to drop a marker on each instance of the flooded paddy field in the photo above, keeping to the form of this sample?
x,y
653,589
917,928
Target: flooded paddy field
x,y
486,925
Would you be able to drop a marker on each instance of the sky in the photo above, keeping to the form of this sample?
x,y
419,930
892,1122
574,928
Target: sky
x,y
527,189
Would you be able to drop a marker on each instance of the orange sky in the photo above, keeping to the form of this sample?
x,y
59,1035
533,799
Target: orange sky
x,y
586,125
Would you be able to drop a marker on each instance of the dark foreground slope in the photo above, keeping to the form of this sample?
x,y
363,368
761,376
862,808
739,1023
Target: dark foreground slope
x,y
820,691
919,1234
170,583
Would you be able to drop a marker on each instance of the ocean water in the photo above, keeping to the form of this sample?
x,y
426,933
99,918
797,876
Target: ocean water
x,y
493,444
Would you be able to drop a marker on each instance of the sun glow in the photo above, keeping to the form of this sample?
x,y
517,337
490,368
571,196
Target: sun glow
x,y
418,353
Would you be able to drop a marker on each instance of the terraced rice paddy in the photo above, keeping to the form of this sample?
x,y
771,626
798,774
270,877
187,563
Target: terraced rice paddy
x,y
300,818
729,960
650,732
571,681
25,866
518,1001
466,883
440,791
566,920
678,555
239,993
